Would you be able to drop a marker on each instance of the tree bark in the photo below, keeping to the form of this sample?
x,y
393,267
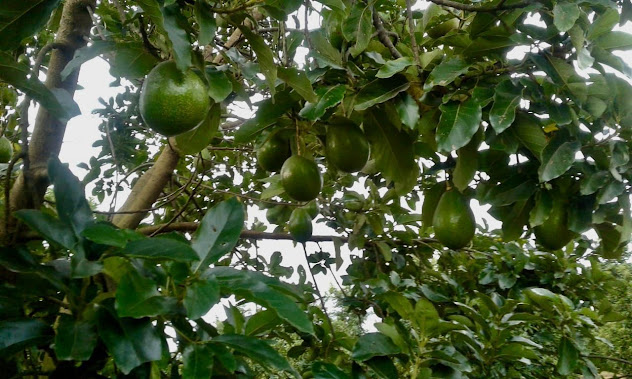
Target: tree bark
x,y
48,132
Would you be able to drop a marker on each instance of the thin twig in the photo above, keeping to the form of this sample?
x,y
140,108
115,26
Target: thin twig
x,y
614,359
318,293
7,193
476,8
239,8
175,217
116,165
120,10
382,35
96,23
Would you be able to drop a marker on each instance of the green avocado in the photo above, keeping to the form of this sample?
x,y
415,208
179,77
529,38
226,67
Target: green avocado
x,y
301,178
300,225
347,148
273,153
553,234
453,220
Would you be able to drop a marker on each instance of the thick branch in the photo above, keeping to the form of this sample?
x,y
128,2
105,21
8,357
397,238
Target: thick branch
x,y
147,189
48,132
192,227
478,8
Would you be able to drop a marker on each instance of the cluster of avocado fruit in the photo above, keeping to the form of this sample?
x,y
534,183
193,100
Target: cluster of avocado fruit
x,y
346,148
173,102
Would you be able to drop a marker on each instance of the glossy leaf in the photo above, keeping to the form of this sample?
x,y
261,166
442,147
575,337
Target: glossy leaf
x,y
22,19
72,207
568,357
75,340
208,27
20,334
131,342
200,297
299,82
603,23
615,40
85,54
218,232
565,14
175,26
268,113
557,157
466,165
359,27
254,349
327,98
131,60
458,124
261,322
445,72
372,345
197,361
265,57
506,98
530,134
137,296
107,234
393,67
49,227
196,140
323,370
379,91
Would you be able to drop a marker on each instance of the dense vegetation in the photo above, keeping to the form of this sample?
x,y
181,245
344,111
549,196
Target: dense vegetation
x,y
385,121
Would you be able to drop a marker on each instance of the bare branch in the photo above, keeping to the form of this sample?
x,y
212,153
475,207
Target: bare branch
x,y
477,8
382,35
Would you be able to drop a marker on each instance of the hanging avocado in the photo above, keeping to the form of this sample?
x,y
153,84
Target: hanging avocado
x,y
453,220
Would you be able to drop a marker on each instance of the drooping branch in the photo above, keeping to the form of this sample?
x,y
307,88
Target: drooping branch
x,y
382,35
48,131
478,8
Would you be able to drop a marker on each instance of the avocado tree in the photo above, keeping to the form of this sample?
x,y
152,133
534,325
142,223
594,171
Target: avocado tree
x,y
384,120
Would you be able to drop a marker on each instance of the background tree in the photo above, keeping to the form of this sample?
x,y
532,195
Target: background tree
x,y
523,106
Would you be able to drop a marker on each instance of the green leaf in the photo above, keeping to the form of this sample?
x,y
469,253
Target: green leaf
x,y
131,342
197,361
445,72
530,134
131,60
603,24
425,317
107,234
200,297
379,91
280,9
206,21
299,82
218,232
22,19
196,140
431,198
557,157
72,207
254,349
137,296
75,340
506,98
610,192
393,67
327,97
568,357
372,345
542,209
268,113
265,57
392,149
408,111
175,25
458,124
384,367
565,15
322,50
20,334
261,322
266,291
85,54
18,76
333,4
49,227
562,74
358,26
615,40
323,370
466,165
160,248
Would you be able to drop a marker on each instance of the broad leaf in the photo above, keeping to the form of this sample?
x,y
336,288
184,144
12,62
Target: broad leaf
x,y
175,25
393,67
265,57
458,124
197,361
564,15
204,18
200,297
196,140
160,248
466,165
299,82
379,91
530,134
255,349
323,370
408,111
49,227
20,334
268,113
327,98
75,340
261,322
603,24
218,232
22,19
568,357
445,72
506,98
85,54
60,106
358,26
615,40
107,234
137,296
372,345
131,60
72,207
219,85
131,342
557,157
